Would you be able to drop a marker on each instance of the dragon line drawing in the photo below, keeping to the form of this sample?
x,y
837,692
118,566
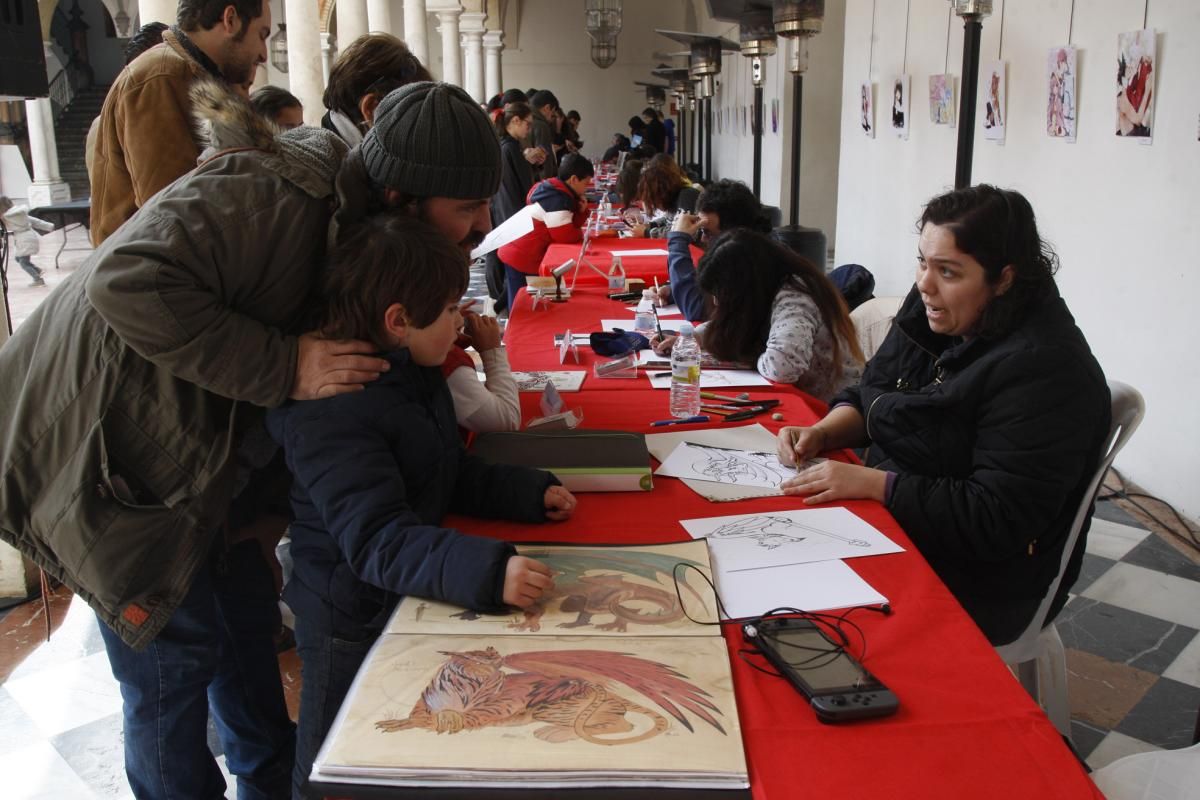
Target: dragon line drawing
x,y
739,466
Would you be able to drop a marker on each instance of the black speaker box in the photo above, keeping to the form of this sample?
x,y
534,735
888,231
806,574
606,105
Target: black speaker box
x,y
22,62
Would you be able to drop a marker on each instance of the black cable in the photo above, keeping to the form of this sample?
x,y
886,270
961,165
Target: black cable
x,y
1189,538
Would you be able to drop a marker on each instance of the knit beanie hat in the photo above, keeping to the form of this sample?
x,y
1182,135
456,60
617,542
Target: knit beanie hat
x,y
432,140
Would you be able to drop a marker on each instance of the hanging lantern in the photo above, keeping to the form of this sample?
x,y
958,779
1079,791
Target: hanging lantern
x,y
603,23
972,8
279,49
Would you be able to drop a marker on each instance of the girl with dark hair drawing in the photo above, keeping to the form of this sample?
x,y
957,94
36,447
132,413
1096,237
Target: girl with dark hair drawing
x,y
778,311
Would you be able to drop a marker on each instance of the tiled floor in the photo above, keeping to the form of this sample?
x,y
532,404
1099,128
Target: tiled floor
x,y
1132,632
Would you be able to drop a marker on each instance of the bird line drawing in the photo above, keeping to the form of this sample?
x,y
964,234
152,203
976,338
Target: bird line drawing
x,y
771,531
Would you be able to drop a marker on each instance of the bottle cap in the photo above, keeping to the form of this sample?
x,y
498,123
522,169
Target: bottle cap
x,y
686,329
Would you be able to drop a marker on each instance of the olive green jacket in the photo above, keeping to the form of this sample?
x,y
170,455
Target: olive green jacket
x,y
124,394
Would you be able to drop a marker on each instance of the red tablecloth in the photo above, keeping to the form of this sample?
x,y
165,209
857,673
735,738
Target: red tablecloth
x,y
966,728
599,253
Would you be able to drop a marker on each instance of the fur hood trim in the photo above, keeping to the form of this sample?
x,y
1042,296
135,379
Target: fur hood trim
x,y
307,157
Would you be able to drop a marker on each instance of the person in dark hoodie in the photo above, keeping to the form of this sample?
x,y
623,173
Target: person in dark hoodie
x,y
985,413
376,471
559,218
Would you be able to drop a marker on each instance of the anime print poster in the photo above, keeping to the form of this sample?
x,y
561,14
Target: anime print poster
x,y
1135,84
994,114
900,105
867,106
1060,93
941,99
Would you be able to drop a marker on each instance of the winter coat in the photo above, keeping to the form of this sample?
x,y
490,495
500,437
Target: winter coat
x,y
375,472
145,139
20,224
993,443
515,181
126,392
559,219
542,135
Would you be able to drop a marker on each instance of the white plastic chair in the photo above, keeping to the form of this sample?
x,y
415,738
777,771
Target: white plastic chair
x,y
1161,775
872,321
1037,655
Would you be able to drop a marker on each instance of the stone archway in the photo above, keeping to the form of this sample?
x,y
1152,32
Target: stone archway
x,y
325,10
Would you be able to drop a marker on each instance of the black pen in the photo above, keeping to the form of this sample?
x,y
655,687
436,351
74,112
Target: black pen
x,y
657,324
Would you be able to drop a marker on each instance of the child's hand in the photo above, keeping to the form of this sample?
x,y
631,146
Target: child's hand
x,y
664,295
484,331
560,503
525,581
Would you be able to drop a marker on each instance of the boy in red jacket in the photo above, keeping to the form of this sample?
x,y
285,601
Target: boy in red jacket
x,y
559,218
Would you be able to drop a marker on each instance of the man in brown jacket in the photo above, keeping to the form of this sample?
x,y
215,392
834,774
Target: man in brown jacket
x,y
145,139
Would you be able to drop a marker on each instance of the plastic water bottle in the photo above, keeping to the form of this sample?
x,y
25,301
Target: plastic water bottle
x,y
685,374
643,318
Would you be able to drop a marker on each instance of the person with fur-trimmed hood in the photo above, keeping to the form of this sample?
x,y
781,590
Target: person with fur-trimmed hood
x,y
559,218
132,450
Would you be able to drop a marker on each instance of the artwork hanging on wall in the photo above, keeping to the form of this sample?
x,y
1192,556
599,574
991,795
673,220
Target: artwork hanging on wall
x,y
1060,93
1135,84
994,89
867,104
941,99
900,103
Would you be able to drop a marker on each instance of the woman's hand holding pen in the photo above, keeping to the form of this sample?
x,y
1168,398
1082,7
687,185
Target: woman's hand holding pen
x,y
796,445
662,345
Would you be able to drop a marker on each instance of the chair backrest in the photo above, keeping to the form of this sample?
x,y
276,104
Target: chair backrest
x,y
1128,407
872,321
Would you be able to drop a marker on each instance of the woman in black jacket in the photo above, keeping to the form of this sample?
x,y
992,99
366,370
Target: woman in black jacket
x,y
516,178
984,412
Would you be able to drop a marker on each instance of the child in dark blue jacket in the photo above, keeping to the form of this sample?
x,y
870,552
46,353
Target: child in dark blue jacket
x,y
376,470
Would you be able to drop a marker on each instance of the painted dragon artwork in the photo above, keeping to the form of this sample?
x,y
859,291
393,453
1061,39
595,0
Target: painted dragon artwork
x,y
579,590
574,694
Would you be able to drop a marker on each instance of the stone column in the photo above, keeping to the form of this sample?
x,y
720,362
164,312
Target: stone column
x,y
493,80
472,29
304,57
351,20
156,11
379,15
451,63
48,187
415,34
328,54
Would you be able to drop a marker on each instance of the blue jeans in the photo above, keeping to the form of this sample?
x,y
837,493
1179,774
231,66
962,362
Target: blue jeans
x,y
27,264
216,652
514,281
327,668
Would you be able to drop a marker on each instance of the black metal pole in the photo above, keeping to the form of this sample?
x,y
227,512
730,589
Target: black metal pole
x,y
682,137
756,124
972,28
797,120
697,127
708,139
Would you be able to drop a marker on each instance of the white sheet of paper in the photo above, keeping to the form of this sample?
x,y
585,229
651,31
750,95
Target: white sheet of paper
x,y
754,437
818,586
671,325
703,462
650,251
663,311
775,538
510,230
564,380
713,378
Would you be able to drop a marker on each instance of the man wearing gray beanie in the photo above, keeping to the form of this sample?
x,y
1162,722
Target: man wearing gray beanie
x,y
431,150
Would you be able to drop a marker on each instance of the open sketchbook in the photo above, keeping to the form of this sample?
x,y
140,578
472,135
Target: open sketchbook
x,y
605,684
